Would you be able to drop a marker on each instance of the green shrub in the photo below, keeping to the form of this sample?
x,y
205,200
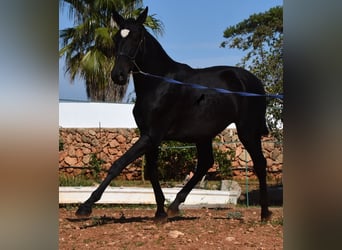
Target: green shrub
x,y
65,181
177,159
223,160
61,144
95,165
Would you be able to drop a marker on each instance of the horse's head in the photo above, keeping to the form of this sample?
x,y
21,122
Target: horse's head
x,y
128,43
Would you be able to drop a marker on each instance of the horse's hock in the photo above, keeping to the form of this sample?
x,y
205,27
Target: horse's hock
x,y
79,149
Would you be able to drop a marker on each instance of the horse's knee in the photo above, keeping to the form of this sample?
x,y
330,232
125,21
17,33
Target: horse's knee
x,y
210,162
204,164
114,170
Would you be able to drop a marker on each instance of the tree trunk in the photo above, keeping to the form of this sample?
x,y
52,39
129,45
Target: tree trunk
x,y
109,92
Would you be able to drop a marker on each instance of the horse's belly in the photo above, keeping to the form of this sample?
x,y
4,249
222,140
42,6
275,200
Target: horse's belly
x,y
188,116
200,125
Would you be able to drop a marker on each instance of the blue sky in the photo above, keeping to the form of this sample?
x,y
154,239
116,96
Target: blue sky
x,y
193,31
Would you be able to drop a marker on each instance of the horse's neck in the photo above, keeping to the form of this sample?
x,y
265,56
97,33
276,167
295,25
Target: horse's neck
x,y
156,61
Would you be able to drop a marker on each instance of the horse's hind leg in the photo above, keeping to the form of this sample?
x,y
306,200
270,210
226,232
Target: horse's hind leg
x,y
138,149
205,161
151,167
252,142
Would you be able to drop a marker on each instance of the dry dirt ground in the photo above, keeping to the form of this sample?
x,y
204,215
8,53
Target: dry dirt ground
x,y
133,228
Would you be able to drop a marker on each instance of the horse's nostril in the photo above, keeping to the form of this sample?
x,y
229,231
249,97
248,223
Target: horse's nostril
x,y
119,77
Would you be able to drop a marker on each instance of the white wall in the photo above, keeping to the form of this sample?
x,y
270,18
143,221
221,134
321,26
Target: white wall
x,y
95,115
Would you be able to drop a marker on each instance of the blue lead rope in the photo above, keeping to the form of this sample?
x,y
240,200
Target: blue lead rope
x,y
219,90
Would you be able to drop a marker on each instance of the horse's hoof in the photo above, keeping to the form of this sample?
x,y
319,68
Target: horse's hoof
x,y
160,218
83,211
266,216
172,212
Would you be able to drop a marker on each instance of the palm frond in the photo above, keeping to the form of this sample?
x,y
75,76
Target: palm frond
x,y
88,45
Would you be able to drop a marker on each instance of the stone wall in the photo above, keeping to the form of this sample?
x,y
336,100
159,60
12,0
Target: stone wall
x,y
81,149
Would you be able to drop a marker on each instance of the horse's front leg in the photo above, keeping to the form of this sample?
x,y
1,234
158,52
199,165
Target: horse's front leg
x,y
137,150
151,168
205,161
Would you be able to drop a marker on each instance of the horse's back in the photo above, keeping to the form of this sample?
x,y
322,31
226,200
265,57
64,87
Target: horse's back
x,y
228,77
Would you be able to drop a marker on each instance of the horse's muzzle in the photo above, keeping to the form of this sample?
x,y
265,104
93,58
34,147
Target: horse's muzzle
x,y
119,78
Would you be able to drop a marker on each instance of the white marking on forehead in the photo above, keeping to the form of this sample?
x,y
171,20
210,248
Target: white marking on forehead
x,y
124,33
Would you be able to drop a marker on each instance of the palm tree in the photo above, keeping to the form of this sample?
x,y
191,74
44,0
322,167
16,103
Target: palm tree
x,y
87,47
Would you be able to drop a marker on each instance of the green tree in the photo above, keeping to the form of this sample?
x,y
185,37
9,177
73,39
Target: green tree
x,y
261,36
88,46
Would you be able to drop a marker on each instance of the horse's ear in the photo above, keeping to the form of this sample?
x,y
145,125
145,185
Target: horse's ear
x,y
118,18
142,17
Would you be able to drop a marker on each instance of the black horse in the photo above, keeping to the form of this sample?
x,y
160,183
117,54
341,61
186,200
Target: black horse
x,y
165,111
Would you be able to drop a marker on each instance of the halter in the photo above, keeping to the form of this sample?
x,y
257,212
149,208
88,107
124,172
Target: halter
x,y
132,58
